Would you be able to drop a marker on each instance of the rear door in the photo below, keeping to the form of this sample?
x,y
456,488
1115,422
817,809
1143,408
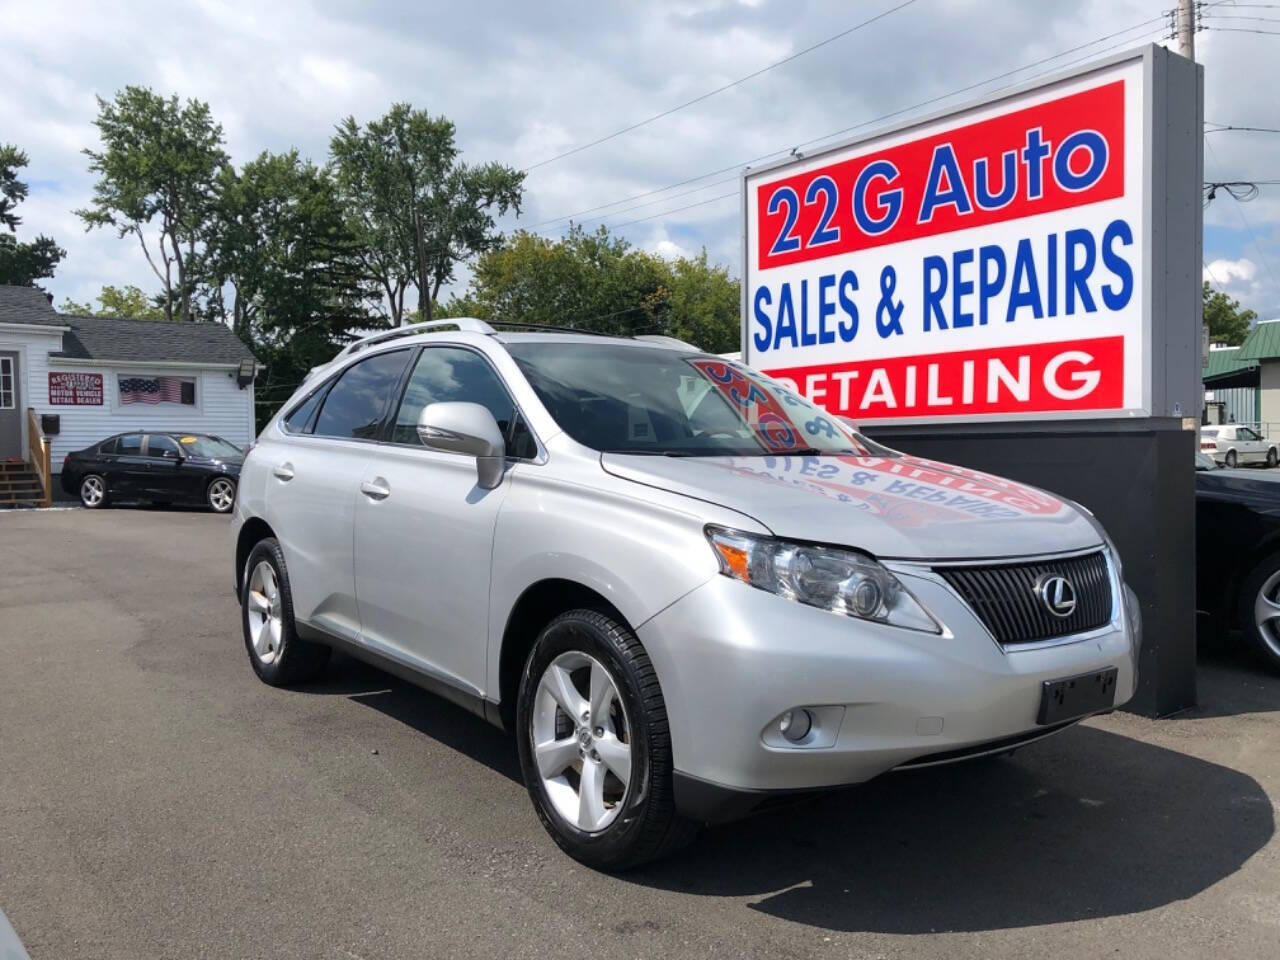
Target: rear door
x,y
126,473
315,472
424,529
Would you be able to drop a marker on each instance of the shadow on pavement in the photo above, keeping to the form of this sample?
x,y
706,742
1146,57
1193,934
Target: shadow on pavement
x,y
1087,824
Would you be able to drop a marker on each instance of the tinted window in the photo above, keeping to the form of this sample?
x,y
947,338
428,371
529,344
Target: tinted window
x,y
446,374
355,404
130,445
299,421
108,446
1247,434
158,446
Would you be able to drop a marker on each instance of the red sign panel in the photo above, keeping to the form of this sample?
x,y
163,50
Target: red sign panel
x,y
75,389
1039,377
1053,156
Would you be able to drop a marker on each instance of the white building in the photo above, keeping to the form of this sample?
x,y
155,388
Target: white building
x,y
101,376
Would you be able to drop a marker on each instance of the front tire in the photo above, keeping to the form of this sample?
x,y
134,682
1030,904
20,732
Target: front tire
x,y
1259,613
278,655
595,747
221,495
1272,458
93,491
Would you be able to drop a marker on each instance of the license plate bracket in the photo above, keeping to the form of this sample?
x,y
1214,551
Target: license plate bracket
x,y
1078,696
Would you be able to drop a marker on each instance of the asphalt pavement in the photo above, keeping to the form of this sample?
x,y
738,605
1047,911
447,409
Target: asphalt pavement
x,y
157,800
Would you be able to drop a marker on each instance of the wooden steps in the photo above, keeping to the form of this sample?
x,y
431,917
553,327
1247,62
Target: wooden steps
x,y
19,486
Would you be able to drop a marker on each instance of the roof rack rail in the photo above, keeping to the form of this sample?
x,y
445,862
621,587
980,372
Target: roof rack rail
x,y
517,325
469,324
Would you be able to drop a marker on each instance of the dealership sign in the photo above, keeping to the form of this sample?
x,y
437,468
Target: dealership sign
x,y
990,262
75,389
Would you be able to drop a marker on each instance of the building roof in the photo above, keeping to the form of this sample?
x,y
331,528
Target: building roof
x,y
1225,361
1263,342
112,338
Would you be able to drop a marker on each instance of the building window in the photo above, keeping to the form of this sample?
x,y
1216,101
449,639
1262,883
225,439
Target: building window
x,y
6,383
153,390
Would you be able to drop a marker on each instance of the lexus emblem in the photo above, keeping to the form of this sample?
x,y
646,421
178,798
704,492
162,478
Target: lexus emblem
x,y
1057,594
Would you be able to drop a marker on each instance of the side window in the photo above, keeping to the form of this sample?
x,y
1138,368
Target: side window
x,y
130,445
355,405
161,446
109,446
1249,434
447,374
299,420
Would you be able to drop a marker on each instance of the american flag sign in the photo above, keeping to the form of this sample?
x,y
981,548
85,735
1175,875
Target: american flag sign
x,y
151,389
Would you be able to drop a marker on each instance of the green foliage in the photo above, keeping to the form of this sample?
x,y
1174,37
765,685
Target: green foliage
x,y
21,264
285,270
1227,322
415,209
596,281
158,164
128,303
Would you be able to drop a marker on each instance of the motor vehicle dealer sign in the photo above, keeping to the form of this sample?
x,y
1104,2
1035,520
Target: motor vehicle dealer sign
x,y
987,263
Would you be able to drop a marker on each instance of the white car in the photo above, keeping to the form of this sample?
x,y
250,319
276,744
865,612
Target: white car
x,y
1233,445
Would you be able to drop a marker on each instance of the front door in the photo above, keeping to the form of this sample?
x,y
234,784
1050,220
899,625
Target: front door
x,y
10,408
424,529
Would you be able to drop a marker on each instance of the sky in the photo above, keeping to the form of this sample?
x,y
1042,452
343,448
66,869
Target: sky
x,y
527,81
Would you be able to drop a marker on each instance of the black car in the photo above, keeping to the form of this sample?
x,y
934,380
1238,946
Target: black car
x,y
1238,553
160,467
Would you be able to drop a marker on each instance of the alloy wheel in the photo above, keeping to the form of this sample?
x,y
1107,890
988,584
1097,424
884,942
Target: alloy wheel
x,y
266,622
222,494
582,741
92,491
1266,612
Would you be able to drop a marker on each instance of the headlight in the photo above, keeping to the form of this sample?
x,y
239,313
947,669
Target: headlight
x,y
843,582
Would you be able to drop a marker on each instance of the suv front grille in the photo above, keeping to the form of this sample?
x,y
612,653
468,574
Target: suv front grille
x,y
1006,599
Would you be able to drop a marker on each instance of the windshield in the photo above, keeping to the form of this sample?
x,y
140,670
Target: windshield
x,y
209,448
619,398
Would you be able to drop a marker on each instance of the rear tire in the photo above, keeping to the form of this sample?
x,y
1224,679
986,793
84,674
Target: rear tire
x,y
221,494
1259,611
93,491
619,723
1231,459
277,654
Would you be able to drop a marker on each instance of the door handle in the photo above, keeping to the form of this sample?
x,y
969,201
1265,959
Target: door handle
x,y
375,489
283,471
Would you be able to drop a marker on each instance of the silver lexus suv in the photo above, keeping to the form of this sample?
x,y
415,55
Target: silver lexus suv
x,y
687,590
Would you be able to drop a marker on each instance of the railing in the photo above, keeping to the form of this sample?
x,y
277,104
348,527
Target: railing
x,y
38,453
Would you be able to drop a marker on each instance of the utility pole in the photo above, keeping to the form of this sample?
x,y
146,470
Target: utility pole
x,y
1186,29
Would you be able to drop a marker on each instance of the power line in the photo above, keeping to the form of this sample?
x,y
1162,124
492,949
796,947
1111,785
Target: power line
x,y
721,89
887,116
1273,33
1245,220
1223,128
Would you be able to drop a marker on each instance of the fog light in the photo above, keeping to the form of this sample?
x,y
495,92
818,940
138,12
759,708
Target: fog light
x,y
795,725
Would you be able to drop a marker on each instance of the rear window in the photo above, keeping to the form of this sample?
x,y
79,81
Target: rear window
x,y
1208,431
108,446
356,404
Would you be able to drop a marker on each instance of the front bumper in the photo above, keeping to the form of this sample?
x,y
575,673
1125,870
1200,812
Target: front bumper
x,y
732,658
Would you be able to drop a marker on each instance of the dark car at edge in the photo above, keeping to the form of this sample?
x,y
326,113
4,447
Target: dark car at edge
x,y
185,468
1238,554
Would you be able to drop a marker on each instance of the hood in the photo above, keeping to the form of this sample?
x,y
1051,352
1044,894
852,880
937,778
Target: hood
x,y
892,507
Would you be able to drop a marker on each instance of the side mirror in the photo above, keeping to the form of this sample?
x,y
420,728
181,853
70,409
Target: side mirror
x,y
469,429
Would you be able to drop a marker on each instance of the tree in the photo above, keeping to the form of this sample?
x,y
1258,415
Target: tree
x,y
1227,322
596,281
128,303
414,207
159,160
286,272
21,264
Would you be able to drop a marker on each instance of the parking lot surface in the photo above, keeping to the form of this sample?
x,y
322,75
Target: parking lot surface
x,y
157,800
